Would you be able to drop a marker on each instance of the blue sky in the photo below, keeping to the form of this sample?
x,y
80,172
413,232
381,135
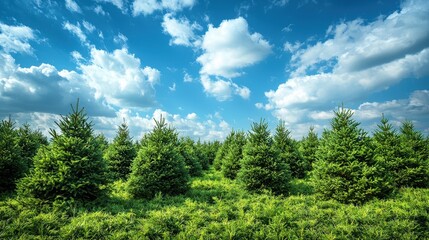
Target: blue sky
x,y
212,66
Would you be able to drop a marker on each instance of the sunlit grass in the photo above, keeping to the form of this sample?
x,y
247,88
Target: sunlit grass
x,y
218,208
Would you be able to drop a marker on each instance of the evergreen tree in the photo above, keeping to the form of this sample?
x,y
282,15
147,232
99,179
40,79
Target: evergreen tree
x,y
72,167
308,148
414,170
186,149
289,152
159,167
262,168
387,154
345,170
202,155
12,164
121,153
231,162
102,142
30,141
223,150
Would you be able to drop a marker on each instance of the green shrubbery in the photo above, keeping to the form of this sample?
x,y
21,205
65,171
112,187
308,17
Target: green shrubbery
x,y
231,163
159,167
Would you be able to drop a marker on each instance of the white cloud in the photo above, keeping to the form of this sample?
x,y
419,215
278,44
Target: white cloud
x,y
77,56
147,7
172,88
355,60
76,30
88,26
120,39
16,38
181,31
231,47
118,78
187,78
191,116
223,90
72,6
99,10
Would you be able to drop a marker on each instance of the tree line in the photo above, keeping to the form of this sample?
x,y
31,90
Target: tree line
x,y
345,164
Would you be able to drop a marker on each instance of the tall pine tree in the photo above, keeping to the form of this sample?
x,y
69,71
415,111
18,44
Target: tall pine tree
x,y
192,163
223,150
231,163
262,168
159,167
72,167
30,141
289,152
345,169
414,155
12,164
121,153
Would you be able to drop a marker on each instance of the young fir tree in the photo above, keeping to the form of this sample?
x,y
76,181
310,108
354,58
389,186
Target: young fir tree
x,y
12,164
262,168
385,143
289,152
202,156
231,162
102,142
345,169
30,141
308,148
72,166
186,149
158,167
414,155
121,153
223,150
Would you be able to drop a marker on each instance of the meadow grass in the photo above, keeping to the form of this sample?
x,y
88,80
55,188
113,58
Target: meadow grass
x,y
218,208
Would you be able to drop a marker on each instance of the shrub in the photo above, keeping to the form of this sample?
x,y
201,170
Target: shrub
x,y
158,167
262,168
121,153
231,162
289,152
345,169
12,164
71,167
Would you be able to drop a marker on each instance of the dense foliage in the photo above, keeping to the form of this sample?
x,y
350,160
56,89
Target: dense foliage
x,y
308,147
12,164
159,167
345,169
121,153
71,167
231,163
187,150
262,168
30,141
223,150
289,153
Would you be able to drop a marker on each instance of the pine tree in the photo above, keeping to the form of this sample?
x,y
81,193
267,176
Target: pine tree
x,y
289,152
231,162
121,153
102,142
262,168
222,151
72,167
158,167
414,169
12,164
345,169
186,149
202,155
308,148
30,141
387,155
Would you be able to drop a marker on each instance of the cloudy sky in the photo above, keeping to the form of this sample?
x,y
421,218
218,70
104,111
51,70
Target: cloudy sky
x,y
210,66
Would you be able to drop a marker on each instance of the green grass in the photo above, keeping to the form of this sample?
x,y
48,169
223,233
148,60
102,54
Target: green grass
x,y
218,208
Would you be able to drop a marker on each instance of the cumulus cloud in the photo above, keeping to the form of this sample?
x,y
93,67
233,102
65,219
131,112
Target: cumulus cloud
x,y
99,10
15,39
76,30
120,39
181,31
223,90
231,47
147,7
72,6
119,78
357,58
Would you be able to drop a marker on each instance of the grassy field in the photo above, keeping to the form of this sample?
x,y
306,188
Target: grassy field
x,y
217,208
